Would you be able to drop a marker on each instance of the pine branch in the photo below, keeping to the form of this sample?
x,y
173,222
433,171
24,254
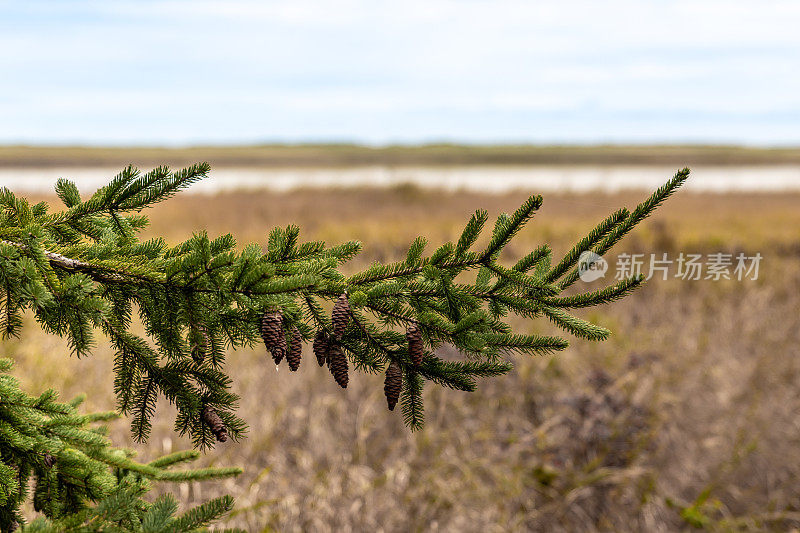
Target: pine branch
x,y
80,482
599,297
576,326
507,227
585,244
411,401
84,268
642,211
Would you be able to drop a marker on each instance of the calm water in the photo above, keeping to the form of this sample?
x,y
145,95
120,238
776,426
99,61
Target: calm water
x,y
487,179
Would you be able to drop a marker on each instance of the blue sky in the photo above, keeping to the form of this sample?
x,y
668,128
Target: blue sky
x,y
174,72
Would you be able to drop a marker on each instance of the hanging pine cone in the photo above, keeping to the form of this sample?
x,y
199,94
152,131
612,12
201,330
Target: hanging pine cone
x,y
295,350
273,335
337,362
393,384
199,343
214,422
341,315
48,460
321,347
415,348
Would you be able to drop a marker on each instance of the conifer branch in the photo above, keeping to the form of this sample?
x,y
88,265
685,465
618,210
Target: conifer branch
x,y
599,297
79,481
84,268
642,211
585,244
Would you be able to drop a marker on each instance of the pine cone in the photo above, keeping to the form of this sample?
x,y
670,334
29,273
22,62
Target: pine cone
x,y
295,350
341,315
48,460
215,423
199,343
393,384
273,335
415,348
338,364
321,347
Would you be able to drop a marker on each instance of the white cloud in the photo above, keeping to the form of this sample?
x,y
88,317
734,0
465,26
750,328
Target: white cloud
x,y
466,66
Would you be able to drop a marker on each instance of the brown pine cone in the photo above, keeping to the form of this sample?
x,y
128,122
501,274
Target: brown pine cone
x,y
295,350
393,384
321,347
415,348
341,315
338,364
273,335
215,423
48,460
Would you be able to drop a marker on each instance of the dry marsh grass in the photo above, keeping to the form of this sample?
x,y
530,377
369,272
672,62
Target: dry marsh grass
x,y
697,392
336,155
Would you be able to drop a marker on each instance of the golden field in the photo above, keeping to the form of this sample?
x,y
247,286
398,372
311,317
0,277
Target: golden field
x,y
688,415
352,155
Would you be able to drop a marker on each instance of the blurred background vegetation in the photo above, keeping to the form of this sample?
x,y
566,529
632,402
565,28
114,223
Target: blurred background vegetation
x,y
688,415
343,154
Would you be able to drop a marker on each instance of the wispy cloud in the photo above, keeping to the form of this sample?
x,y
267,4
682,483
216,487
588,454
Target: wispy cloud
x,y
575,71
